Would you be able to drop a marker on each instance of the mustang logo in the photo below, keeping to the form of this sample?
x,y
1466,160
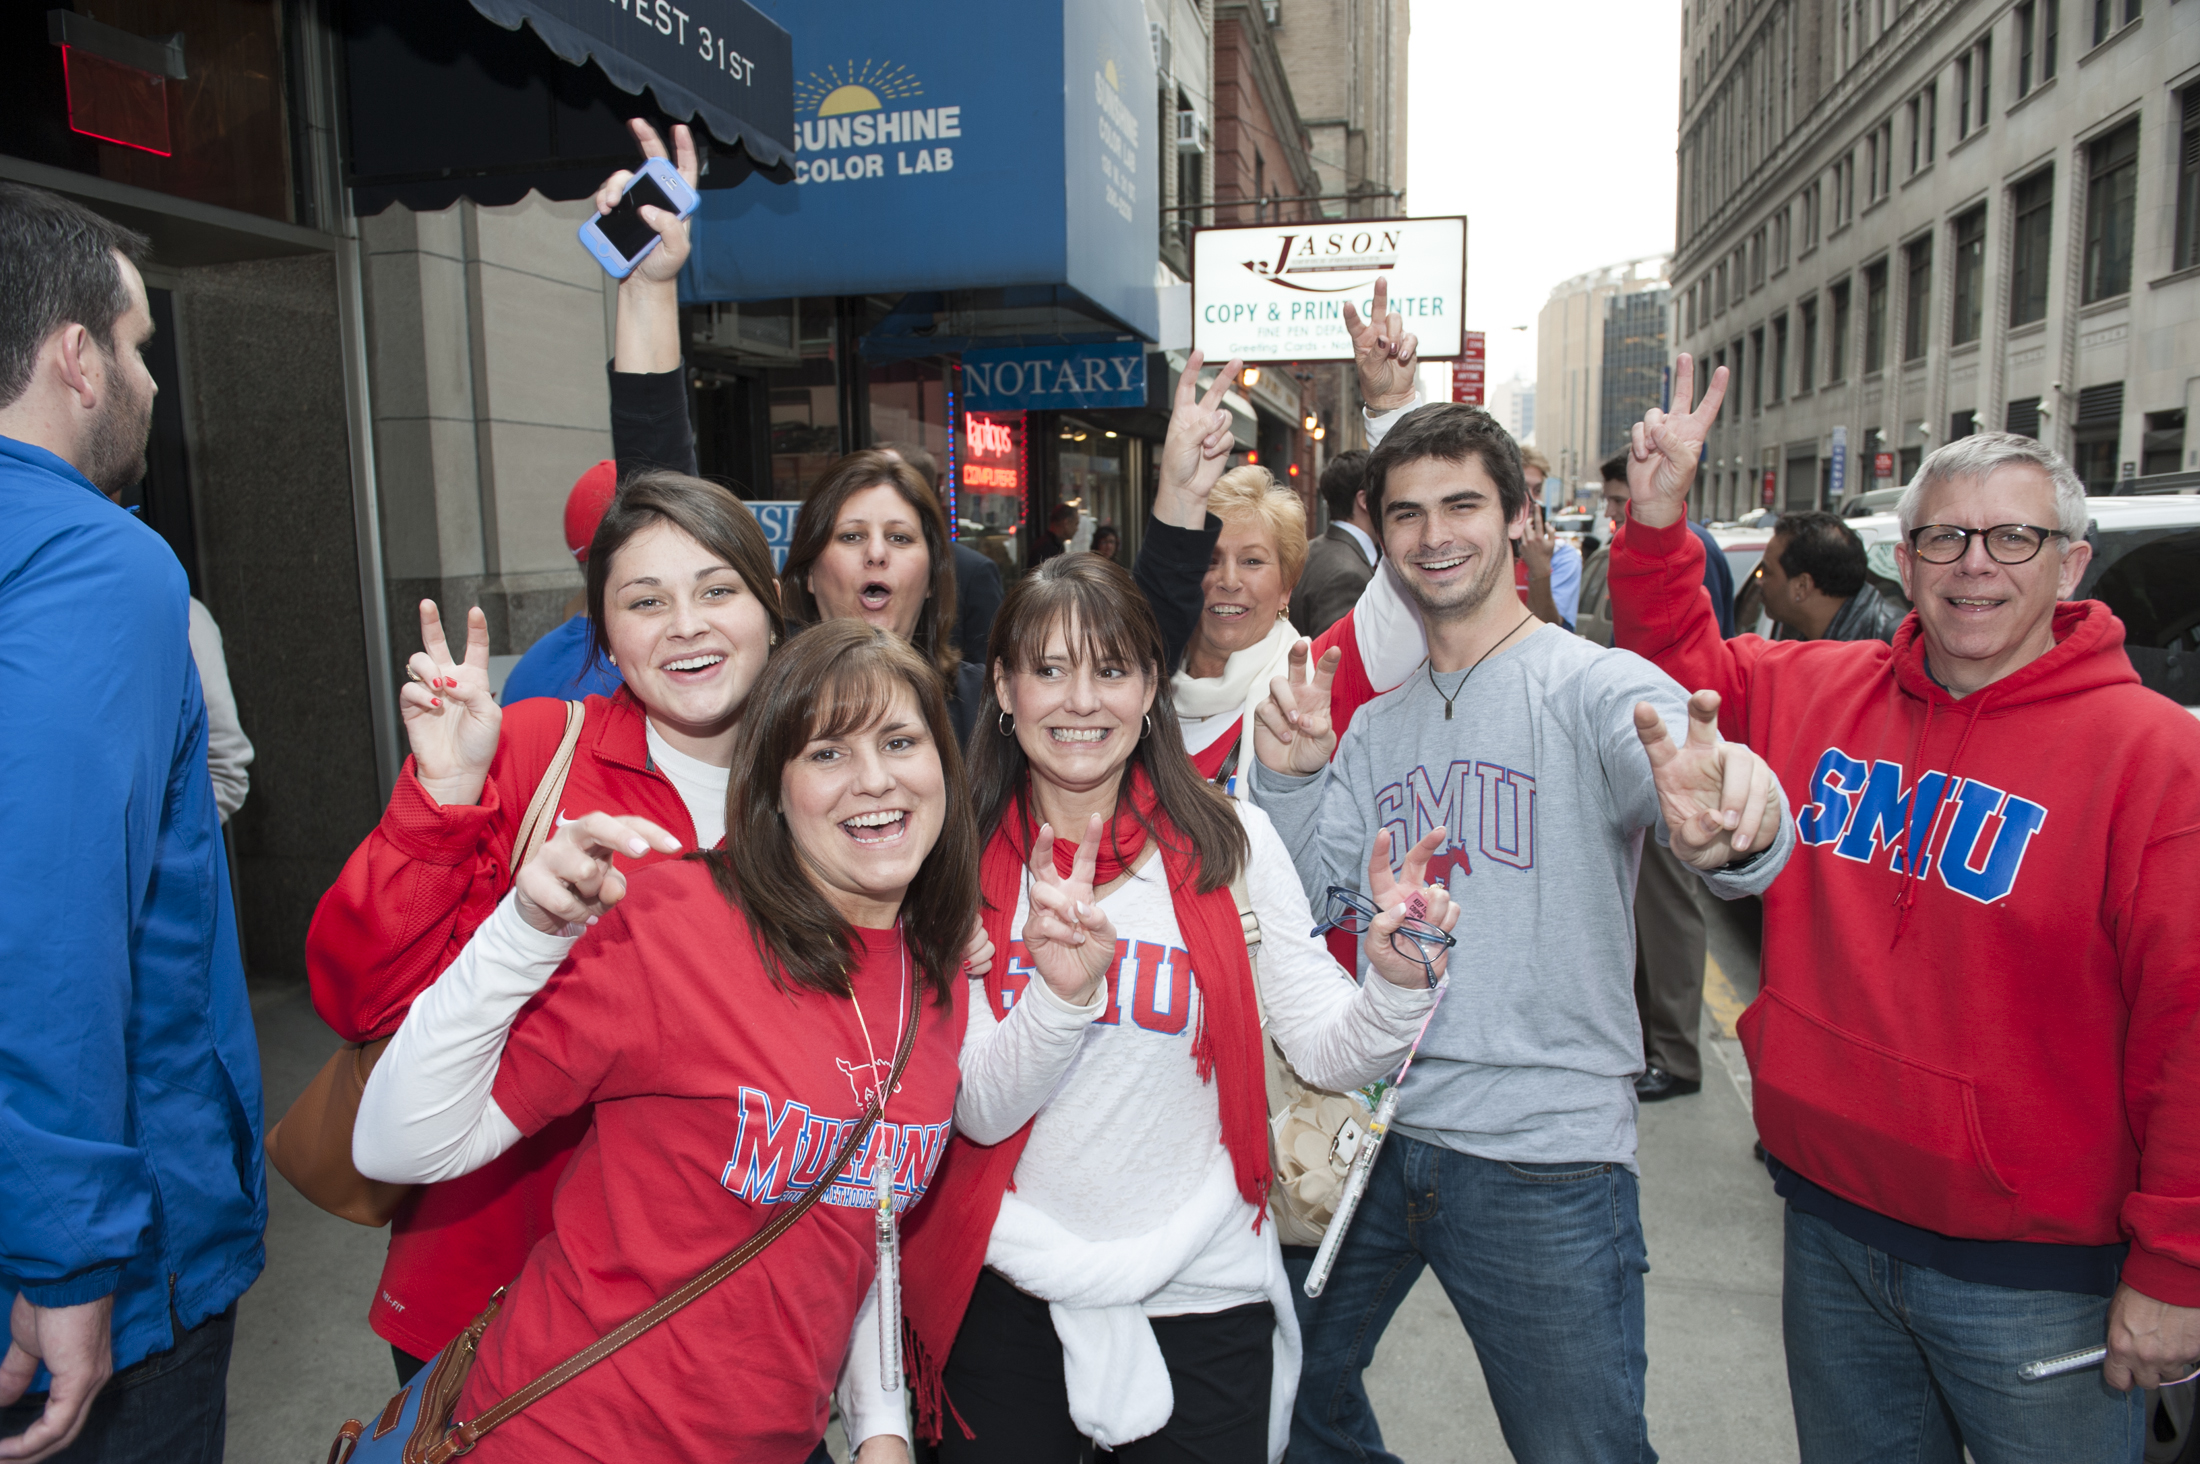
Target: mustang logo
x,y
865,1077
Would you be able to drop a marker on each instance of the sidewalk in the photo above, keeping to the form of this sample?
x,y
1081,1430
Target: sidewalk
x,y
305,1360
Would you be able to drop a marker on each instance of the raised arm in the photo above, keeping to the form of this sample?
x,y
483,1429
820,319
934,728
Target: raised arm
x,y
433,868
649,398
1660,609
1180,538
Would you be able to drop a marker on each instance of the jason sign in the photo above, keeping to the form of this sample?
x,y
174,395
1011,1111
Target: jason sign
x,y
1276,292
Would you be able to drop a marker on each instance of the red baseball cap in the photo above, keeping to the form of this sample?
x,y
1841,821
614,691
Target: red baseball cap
x,y
585,505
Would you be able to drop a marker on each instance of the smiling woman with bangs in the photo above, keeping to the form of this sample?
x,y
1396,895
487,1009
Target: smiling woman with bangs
x,y
1095,1264
725,1017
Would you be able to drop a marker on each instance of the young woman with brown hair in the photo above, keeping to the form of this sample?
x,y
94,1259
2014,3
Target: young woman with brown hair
x,y
683,599
723,1017
1096,1264
871,544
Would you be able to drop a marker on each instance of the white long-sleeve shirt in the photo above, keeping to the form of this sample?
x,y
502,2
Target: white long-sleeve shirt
x,y
1126,1128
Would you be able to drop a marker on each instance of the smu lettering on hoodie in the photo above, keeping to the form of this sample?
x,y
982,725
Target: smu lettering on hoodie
x,y
1981,1004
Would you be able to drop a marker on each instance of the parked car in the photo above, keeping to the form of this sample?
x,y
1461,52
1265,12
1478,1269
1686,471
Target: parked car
x,y
1863,505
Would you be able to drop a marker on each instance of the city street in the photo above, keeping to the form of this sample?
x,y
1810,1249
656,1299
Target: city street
x,y
305,1360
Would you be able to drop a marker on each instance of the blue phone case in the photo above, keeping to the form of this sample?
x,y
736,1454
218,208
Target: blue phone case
x,y
684,199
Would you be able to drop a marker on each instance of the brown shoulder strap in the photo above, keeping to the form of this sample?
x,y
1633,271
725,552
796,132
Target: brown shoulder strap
x,y
467,1434
541,820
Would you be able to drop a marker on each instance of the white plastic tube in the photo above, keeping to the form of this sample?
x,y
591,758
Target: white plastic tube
x,y
1355,1185
889,1280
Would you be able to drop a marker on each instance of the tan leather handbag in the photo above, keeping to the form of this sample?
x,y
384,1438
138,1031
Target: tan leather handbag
x,y
1312,1132
311,1144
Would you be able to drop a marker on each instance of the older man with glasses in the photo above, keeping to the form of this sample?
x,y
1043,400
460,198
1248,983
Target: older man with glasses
x,y
1976,1048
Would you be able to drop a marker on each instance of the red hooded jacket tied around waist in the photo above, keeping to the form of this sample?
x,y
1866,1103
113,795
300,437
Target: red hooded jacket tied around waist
x,y
1980,1011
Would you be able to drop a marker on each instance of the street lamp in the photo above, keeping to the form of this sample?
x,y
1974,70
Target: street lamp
x,y
1311,422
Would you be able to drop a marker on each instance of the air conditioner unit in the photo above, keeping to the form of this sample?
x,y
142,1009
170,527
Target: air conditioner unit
x,y
1160,46
1191,132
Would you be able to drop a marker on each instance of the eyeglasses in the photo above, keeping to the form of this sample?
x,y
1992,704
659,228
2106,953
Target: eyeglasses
x,y
2006,543
1417,940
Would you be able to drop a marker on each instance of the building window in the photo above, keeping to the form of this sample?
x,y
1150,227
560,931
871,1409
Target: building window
x,y
1924,119
1917,300
2027,20
2188,184
1970,277
2096,434
1718,288
2105,17
1757,261
1756,370
1985,71
1962,424
2111,192
1875,317
2022,416
1780,241
1779,358
1963,96
1806,357
1837,363
1974,87
2050,32
2162,449
2031,209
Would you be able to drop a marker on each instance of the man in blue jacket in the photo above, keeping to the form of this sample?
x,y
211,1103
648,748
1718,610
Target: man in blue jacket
x,y
132,1199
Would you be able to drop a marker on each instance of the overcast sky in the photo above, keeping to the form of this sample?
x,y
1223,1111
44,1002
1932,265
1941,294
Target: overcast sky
x,y
1551,126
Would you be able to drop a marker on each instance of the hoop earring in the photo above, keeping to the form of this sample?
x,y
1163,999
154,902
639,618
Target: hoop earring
x,y
1007,724
1145,728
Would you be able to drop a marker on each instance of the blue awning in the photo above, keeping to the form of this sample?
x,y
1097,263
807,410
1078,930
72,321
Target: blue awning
x,y
990,145
722,63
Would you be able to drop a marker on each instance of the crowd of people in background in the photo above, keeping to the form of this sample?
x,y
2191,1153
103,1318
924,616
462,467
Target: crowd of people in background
x,y
948,936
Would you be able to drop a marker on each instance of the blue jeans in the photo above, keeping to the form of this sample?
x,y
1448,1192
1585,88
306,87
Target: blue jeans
x,y
1544,1264
1888,1360
172,1407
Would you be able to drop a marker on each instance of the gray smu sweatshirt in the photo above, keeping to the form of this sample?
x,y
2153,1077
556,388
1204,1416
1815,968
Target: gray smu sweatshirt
x,y
1546,792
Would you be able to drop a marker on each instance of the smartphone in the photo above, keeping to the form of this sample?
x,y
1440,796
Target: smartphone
x,y
621,238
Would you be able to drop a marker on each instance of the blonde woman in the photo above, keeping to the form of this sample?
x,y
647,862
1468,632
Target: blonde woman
x,y
1244,636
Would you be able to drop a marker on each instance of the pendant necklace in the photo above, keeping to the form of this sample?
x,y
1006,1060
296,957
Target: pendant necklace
x,y
1478,660
882,1190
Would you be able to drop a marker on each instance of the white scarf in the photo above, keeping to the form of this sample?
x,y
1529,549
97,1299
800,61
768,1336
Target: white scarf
x,y
1242,686
1118,1381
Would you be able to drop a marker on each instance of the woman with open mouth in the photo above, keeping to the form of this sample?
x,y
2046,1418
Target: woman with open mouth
x,y
683,600
871,544
732,1020
1095,1259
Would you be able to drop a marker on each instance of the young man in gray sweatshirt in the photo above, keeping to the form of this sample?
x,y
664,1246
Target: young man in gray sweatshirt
x,y
1530,764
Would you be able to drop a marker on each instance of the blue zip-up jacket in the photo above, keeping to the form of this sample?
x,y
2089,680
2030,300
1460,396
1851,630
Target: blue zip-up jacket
x,y
129,1079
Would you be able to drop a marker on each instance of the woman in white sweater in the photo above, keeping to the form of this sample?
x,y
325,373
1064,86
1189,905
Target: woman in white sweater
x,y
1096,1257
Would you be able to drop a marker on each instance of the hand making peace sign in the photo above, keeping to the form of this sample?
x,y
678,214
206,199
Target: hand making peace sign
x,y
1069,937
1198,446
1668,447
1719,799
1292,732
451,717
1383,352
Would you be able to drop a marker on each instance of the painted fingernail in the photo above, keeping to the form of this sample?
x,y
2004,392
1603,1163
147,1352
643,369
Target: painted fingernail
x,y
435,701
591,920
637,847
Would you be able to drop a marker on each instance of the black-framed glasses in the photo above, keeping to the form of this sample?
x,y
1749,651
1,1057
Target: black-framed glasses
x,y
1417,940
2005,543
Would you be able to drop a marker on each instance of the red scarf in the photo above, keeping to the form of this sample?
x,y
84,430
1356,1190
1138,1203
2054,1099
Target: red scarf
x,y
944,1240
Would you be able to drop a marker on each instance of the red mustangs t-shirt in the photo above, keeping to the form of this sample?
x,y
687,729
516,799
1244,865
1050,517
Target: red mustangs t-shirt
x,y
718,1096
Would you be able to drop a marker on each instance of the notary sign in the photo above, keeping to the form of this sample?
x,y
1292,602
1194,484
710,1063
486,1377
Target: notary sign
x,y
1081,377
1276,292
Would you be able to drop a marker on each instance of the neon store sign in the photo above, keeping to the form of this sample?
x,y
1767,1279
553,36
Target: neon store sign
x,y
992,473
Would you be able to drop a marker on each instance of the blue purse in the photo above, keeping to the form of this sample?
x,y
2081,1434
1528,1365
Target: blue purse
x,y
416,1427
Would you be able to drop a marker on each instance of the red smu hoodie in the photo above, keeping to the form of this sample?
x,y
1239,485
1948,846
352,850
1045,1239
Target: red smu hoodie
x,y
1982,964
